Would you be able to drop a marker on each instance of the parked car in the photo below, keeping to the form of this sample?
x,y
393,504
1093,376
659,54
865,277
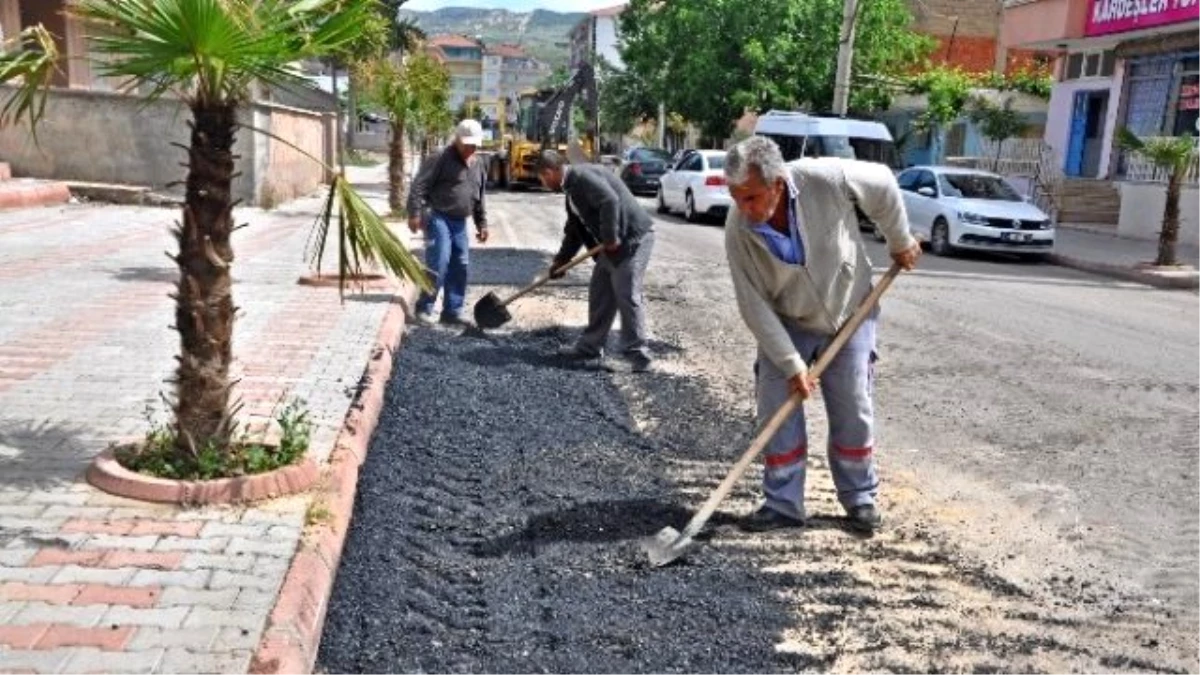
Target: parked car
x,y
696,186
642,169
955,208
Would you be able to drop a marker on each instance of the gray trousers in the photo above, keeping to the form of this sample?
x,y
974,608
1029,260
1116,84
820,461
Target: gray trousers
x,y
617,289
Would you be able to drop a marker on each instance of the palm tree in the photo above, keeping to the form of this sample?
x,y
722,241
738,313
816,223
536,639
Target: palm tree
x,y
209,54
30,61
1174,156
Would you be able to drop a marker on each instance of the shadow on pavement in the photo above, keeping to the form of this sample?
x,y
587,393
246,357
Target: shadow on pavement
x,y
42,454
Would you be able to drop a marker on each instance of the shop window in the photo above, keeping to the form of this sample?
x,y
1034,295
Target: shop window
x,y
1090,64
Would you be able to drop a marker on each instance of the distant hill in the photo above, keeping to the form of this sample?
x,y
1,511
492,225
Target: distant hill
x,y
544,34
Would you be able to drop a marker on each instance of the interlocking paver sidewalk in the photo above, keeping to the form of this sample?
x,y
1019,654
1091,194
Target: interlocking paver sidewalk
x,y
93,582
1101,252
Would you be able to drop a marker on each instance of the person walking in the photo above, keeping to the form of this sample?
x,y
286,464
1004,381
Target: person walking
x,y
800,269
600,209
450,186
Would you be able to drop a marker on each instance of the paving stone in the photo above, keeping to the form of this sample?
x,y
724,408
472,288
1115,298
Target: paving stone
x,y
143,543
97,661
16,557
75,574
162,617
41,612
266,582
59,497
202,617
184,578
252,600
198,639
232,563
29,575
83,512
185,661
204,543
217,599
37,661
233,637
280,549
250,531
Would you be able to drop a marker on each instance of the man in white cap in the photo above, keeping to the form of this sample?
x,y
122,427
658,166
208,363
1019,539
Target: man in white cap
x,y
448,188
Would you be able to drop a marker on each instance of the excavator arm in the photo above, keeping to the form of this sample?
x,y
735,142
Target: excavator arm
x,y
555,116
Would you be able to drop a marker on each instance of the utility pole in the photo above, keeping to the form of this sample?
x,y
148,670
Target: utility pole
x,y
841,83
662,125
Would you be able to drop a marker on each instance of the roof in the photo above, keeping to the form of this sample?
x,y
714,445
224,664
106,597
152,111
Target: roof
x,y
447,40
508,51
615,10
436,52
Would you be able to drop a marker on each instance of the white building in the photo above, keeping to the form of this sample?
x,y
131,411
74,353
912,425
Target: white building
x,y
598,35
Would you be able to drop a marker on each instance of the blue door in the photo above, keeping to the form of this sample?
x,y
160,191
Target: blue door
x,y
1076,141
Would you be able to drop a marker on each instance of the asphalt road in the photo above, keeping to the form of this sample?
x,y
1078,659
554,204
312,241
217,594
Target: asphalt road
x,y
1037,438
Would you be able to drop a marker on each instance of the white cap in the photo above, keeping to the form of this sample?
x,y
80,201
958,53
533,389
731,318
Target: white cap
x,y
469,132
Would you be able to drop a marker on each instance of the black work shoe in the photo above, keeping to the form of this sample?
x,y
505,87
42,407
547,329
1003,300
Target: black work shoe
x,y
766,519
453,320
575,352
865,518
629,364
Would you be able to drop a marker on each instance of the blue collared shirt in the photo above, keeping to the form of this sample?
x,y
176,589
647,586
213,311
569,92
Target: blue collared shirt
x,y
787,247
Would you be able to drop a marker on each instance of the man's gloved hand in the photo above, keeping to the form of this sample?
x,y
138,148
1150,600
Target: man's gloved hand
x,y
556,271
482,235
414,224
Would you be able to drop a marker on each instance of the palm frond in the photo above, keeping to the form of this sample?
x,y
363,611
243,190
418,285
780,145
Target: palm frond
x,y
364,237
30,64
212,50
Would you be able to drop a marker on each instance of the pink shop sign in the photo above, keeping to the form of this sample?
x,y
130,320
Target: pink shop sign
x,y
1118,16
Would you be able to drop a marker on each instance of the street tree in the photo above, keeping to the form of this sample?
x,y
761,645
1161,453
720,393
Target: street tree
x,y
711,60
997,123
1174,156
409,92
209,54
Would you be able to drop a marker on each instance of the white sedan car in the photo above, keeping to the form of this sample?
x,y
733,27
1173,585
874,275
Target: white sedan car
x,y
695,185
954,208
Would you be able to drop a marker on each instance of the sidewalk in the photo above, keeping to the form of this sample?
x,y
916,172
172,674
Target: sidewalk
x,y
1104,253
90,582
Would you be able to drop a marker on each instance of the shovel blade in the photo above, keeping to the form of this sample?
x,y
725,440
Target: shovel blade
x,y
666,547
490,312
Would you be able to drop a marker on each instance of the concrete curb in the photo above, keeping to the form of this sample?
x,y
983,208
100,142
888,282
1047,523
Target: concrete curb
x,y
1177,280
293,633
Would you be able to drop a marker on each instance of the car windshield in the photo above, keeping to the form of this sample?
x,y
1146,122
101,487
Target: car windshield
x,y
715,161
977,186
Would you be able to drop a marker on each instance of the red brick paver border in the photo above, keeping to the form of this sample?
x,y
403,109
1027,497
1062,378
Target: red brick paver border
x,y
293,633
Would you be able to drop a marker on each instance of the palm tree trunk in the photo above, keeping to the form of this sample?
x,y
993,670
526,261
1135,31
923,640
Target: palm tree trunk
x,y
1169,236
396,168
204,310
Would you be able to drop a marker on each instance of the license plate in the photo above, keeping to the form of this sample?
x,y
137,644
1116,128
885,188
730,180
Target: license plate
x,y
1017,236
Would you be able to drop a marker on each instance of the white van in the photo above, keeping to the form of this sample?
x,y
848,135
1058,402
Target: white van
x,y
802,135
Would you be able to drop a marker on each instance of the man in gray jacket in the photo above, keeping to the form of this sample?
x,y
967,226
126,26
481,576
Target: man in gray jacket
x,y
601,210
799,271
451,186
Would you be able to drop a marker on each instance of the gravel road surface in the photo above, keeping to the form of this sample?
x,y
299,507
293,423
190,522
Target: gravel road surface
x,y
1037,438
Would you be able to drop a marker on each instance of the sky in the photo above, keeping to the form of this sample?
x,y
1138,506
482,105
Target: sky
x,y
514,5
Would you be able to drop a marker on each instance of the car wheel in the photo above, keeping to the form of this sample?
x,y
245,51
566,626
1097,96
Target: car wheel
x,y
689,209
939,239
662,203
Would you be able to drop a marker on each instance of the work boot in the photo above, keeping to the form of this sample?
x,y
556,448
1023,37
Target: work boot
x,y
577,353
766,519
426,318
864,518
453,320
632,363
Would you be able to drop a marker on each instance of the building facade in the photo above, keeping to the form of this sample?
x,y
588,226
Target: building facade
x,y
491,77
598,35
1119,64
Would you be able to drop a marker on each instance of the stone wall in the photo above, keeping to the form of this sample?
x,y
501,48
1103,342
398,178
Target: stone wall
x,y
105,137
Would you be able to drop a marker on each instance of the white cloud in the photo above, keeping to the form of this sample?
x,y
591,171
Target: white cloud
x,y
514,5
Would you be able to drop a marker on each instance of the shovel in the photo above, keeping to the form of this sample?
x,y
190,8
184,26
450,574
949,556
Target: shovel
x,y
492,312
670,544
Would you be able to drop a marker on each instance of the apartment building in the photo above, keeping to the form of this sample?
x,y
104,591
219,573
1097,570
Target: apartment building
x,y
597,35
490,76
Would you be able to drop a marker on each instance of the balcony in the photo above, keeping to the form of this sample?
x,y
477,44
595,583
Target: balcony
x,y
1043,24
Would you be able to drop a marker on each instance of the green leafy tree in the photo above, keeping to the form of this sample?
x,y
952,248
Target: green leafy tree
x,y
409,93
710,60
209,53
625,99
1175,157
997,122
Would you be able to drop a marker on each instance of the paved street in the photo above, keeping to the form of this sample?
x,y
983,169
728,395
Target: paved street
x,y
1037,440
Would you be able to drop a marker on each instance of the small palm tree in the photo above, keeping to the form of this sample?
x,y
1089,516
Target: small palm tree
x,y
30,61
209,54
1174,156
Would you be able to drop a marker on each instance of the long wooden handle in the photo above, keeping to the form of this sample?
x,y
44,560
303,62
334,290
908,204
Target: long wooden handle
x,y
578,259
789,406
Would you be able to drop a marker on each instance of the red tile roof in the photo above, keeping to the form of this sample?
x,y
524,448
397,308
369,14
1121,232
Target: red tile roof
x,y
508,51
453,41
615,10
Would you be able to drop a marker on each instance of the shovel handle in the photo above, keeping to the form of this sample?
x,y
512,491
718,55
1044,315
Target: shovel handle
x,y
578,259
843,335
